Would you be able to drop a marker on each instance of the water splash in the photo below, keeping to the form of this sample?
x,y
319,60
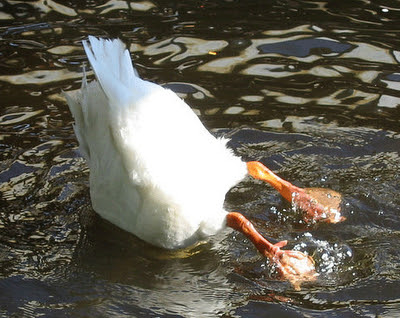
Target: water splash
x,y
330,258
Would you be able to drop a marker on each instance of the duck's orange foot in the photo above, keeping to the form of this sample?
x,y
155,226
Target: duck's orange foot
x,y
295,266
318,205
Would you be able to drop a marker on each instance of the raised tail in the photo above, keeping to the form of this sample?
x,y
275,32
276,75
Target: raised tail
x,y
112,65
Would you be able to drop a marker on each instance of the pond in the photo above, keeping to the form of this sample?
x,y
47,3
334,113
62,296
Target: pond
x,y
309,88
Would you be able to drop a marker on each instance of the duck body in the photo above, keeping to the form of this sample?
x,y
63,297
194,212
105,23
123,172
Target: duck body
x,y
155,170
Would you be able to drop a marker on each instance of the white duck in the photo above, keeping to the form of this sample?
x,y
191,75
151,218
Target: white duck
x,y
155,171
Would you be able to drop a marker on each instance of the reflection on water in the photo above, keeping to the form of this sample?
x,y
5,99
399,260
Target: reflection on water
x,y
309,88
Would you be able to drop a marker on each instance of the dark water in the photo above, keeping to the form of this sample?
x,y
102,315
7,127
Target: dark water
x,y
310,88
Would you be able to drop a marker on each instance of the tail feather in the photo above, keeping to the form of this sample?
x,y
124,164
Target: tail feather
x,y
113,68
100,102
77,109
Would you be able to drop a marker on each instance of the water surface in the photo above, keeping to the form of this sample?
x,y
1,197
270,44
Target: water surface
x,y
309,88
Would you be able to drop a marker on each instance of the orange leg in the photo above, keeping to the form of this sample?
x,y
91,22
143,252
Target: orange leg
x,y
318,204
294,266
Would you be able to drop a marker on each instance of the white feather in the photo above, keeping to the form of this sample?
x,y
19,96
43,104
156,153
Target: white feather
x,y
155,170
